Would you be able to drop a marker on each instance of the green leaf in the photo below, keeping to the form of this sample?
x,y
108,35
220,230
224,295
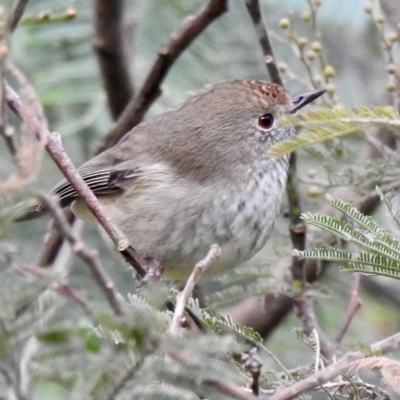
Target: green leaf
x,y
324,124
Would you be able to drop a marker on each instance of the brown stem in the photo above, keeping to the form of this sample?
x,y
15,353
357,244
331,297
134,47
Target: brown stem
x,y
109,48
253,7
167,55
303,306
17,14
353,307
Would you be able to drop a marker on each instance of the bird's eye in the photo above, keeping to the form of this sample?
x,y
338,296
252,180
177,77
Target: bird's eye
x,y
266,121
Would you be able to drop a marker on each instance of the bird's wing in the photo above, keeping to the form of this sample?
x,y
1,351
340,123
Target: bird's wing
x,y
126,166
102,182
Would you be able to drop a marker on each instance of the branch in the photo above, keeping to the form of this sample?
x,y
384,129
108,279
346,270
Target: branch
x,y
303,305
191,27
57,153
198,270
89,256
17,14
109,48
253,7
331,372
353,307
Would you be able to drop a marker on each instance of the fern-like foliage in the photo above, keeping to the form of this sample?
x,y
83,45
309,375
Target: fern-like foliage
x,y
324,124
380,250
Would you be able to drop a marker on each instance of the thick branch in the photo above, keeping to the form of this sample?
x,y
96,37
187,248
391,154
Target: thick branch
x,y
167,55
109,47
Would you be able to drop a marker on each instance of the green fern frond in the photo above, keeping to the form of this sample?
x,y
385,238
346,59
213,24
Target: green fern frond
x,y
366,222
325,254
323,124
377,262
392,209
348,233
246,332
382,256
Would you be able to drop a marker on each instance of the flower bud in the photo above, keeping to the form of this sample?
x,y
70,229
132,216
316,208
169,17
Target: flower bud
x,y
316,46
390,87
301,42
329,71
284,23
314,191
391,69
330,88
368,8
310,55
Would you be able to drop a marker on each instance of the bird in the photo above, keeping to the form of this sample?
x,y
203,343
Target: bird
x,y
194,176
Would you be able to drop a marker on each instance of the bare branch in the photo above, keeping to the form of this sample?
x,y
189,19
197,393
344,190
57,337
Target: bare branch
x,y
303,305
353,307
198,270
253,7
17,14
109,48
191,27
57,153
89,256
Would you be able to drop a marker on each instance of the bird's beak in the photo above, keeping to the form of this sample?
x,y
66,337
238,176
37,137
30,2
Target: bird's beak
x,y
301,100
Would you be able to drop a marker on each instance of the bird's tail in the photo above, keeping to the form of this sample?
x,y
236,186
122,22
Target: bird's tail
x,y
24,211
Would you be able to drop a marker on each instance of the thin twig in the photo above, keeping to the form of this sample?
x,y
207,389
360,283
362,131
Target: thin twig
x,y
353,307
109,47
303,305
183,297
53,242
334,370
191,27
57,153
89,256
253,7
17,14
252,363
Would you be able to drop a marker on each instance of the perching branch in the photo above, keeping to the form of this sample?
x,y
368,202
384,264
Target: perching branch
x,y
53,146
191,27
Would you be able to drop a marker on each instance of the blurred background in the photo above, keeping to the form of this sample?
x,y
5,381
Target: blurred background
x,y
57,57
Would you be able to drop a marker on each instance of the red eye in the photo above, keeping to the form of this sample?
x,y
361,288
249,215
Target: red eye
x,y
266,121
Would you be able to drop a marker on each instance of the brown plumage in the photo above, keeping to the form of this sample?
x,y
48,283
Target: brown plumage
x,y
195,175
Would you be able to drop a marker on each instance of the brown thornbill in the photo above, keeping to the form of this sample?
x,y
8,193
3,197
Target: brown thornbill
x,y
194,176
